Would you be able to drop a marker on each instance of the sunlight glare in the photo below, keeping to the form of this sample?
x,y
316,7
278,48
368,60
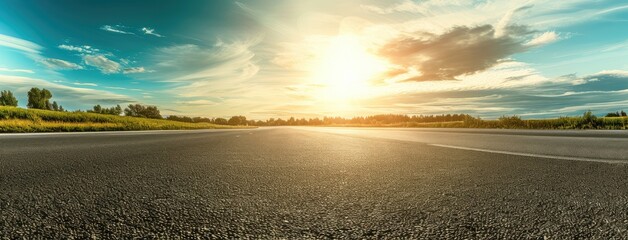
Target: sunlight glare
x,y
346,69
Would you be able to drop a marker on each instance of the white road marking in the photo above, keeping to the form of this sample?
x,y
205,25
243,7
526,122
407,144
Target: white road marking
x,y
533,155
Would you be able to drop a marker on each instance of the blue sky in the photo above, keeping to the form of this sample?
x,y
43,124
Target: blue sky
x,y
285,58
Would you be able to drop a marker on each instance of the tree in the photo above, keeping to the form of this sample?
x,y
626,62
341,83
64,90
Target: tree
x,y
39,99
221,121
137,110
97,109
55,106
7,99
623,114
237,120
613,114
117,110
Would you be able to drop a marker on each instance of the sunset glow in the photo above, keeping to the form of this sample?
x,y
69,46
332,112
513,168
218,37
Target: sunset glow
x,y
536,58
346,69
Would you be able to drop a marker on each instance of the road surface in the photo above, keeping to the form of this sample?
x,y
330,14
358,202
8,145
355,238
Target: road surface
x,y
315,183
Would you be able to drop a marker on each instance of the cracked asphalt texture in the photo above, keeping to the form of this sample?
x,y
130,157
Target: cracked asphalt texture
x,y
295,183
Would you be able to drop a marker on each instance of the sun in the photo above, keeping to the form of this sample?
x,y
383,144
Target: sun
x,y
345,69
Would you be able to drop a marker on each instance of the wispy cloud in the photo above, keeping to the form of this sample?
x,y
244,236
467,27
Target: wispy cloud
x,y
151,31
543,39
197,102
85,84
116,29
105,65
133,70
502,26
19,44
80,49
117,88
265,20
68,96
206,70
413,7
16,70
59,64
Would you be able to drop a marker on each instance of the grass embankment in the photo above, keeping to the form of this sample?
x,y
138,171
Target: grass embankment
x,y
584,122
14,119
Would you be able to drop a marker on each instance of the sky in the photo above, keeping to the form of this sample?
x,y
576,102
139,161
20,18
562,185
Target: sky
x,y
282,58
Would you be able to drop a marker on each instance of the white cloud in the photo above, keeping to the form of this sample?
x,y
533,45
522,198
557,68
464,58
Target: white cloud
x,y
150,31
412,7
543,39
16,70
617,73
59,64
134,70
117,88
85,84
66,95
19,44
502,25
116,29
218,70
197,102
265,20
101,62
80,49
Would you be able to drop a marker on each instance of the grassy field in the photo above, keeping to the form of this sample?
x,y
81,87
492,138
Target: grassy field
x,y
14,119
583,122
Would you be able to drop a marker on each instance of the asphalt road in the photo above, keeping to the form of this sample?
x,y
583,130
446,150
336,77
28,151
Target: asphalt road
x,y
315,183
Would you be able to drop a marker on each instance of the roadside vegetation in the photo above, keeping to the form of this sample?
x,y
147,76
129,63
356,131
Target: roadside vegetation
x,y
13,119
586,121
43,115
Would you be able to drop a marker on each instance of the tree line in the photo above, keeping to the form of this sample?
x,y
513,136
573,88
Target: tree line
x,y
37,99
616,114
40,99
369,120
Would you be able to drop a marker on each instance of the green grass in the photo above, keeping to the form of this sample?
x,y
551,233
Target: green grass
x,y
514,122
14,119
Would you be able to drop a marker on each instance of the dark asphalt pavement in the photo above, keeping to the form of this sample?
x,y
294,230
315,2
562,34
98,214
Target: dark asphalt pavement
x,y
315,183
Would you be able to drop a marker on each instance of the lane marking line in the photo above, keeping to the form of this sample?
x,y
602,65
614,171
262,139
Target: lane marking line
x,y
533,155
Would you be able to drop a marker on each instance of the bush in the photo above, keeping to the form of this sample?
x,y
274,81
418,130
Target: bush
x,y
511,122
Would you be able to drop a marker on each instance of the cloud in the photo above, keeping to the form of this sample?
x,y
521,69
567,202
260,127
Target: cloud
x,y
615,73
115,29
460,51
530,97
266,20
80,49
16,70
150,31
197,102
202,71
59,64
543,39
85,84
134,70
101,62
19,44
502,26
66,95
411,6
